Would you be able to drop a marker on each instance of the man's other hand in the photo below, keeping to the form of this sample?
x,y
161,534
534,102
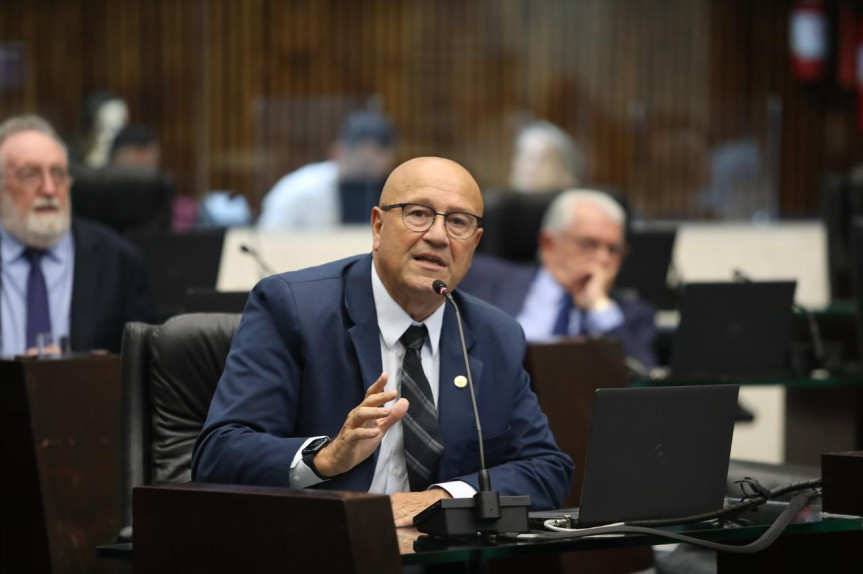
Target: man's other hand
x,y
406,505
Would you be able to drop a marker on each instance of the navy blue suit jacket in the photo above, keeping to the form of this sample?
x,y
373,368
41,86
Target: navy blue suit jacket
x,y
505,285
308,347
109,288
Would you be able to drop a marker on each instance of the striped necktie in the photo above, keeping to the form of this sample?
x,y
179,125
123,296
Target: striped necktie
x,y
422,442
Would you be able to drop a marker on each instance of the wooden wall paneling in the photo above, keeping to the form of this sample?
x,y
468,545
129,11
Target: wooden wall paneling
x,y
240,93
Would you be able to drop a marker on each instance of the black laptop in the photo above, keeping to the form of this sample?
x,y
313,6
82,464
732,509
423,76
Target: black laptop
x,y
655,453
733,330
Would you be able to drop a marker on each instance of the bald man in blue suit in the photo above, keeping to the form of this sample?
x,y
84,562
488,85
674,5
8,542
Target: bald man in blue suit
x,y
317,355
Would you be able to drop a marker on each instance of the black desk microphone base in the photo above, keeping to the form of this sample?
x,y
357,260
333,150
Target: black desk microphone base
x,y
458,517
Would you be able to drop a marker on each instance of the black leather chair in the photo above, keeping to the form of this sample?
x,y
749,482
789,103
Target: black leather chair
x,y
170,373
124,200
512,220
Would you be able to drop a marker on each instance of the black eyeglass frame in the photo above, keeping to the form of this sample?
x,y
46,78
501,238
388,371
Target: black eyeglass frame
x,y
436,213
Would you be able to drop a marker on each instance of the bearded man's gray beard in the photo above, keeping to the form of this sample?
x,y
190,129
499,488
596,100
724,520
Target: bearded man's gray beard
x,y
41,230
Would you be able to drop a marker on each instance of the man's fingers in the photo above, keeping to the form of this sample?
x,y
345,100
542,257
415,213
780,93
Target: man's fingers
x,y
397,412
362,433
378,385
378,399
403,521
362,415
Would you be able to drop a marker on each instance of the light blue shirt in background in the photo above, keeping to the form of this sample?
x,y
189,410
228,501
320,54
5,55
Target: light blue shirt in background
x,y
58,267
542,304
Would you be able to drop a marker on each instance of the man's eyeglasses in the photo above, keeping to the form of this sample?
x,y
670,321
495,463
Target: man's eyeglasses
x,y
420,218
33,176
591,245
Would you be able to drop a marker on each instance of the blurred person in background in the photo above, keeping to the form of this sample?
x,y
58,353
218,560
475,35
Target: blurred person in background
x,y
581,249
102,117
136,147
59,275
340,190
545,158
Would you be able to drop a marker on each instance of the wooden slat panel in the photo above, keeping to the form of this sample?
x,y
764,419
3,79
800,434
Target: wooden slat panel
x,y
240,93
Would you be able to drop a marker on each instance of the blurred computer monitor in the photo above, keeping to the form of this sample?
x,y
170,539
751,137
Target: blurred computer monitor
x,y
127,201
178,262
842,201
733,330
645,271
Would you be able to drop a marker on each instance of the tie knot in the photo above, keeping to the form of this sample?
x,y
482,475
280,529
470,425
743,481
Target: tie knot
x,y
414,337
33,255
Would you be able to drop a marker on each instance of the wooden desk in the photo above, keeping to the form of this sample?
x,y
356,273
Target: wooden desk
x,y
211,528
59,476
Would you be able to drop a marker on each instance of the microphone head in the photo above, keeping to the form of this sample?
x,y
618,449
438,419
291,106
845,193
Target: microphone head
x,y
440,287
245,248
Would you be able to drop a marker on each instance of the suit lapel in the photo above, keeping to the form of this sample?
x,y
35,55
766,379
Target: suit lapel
x,y
360,308
365,337
454,404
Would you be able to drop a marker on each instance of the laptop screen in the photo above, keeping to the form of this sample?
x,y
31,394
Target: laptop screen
x,y
657,452
733,329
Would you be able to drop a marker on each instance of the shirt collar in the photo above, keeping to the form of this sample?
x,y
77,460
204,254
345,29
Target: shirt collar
x,y
393,321
11,249
548,288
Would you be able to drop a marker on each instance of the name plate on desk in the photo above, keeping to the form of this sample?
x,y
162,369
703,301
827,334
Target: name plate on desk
x,y
60,454
217,528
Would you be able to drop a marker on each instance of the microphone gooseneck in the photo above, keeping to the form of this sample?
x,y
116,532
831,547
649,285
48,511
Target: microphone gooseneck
x,y
263,268
490,514
484,479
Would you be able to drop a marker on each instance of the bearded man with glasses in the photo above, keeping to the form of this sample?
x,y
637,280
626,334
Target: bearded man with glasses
x,y
67,277
350,375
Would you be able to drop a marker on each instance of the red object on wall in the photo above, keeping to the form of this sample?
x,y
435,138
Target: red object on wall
x,y
859,75
808,37
846,51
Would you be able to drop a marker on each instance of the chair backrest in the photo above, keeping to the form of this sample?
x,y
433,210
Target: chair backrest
x,y
170,373
124,200
512,220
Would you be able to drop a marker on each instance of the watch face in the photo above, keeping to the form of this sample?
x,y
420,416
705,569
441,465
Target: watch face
x,y
316,445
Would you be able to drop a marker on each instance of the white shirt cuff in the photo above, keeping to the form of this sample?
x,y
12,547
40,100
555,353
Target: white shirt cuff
x,y
300,475
456,488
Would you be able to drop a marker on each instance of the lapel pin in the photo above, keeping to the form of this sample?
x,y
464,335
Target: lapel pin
x,y
460,381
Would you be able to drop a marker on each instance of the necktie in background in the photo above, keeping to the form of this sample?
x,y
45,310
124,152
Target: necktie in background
x,y
38,314
423,445
561,324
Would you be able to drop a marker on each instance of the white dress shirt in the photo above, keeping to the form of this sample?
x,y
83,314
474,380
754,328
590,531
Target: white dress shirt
x,y
390,471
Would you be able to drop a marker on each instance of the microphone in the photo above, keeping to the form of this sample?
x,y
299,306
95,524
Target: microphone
x,y
263,268
487,513
484,479
814,331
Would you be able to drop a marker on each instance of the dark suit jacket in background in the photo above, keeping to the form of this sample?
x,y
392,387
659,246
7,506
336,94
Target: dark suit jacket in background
x,y
109,288
308,347
505,285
